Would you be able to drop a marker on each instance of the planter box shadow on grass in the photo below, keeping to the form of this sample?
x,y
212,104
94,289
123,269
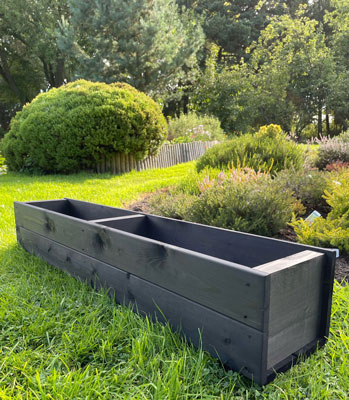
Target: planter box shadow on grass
x,y
256,303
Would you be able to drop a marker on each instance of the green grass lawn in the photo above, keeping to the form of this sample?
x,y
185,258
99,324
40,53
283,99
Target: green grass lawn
x,y
61,340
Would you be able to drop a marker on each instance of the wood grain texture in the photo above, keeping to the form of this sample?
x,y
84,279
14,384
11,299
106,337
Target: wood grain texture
x,y
296,291
237,345
226,287
92,211
268,298
105,221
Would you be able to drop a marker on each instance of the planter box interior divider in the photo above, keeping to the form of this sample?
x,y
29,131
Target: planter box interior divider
x,y
256,303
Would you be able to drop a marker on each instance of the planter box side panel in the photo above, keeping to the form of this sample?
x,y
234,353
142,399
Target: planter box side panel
x,y
80,209
237,292
296,300
237,345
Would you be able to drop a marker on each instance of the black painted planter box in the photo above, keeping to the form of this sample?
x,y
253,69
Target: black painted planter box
x,y
257,303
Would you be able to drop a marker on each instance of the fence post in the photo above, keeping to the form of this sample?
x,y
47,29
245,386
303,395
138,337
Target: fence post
x,y
169,154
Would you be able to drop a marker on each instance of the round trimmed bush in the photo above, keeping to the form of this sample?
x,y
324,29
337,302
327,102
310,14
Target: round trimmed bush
x,y
72,127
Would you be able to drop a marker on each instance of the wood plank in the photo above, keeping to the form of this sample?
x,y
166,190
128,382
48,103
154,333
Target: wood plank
x,y
187,158
92,211
226,287
293,359
182,154
159,159
296,290
237,345
223,243
170,148
166,155
103,220
217,242
291,339
287,262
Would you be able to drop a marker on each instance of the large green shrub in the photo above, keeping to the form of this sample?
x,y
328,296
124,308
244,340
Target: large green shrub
x,y
332,231
70,128
242,200
268,149
193,127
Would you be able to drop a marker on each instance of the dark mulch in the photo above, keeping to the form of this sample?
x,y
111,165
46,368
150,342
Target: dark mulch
x,y
141,205
342,268
342,263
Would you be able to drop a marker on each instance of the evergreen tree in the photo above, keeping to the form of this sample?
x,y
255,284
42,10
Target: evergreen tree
x,y
145,43
233,25
29,56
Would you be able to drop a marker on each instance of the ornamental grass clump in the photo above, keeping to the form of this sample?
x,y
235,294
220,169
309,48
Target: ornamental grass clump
x,y
71,128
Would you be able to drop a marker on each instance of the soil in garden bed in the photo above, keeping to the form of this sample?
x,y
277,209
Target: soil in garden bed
x,y
342,263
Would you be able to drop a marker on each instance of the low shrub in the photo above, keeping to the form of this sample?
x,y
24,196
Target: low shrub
x,y
307,185
309,154
267,150
72,127
332,231
337,166
243,200
332,151
191,184
173,204
193,127
344,137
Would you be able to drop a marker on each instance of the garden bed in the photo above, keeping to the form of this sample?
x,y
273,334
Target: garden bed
x,y
249,299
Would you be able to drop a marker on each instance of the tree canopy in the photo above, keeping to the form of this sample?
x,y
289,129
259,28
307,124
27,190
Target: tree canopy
x,y
145,43
247,63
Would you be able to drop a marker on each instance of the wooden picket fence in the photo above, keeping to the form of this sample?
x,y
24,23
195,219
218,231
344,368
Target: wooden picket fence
x,y
169,154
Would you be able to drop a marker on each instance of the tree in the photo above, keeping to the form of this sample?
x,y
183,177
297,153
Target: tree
x,y
233,25
241,98
338,21
29,56
145,43
297,47
224,92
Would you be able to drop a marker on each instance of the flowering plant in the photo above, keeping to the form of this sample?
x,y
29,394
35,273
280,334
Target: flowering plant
x,y
237,175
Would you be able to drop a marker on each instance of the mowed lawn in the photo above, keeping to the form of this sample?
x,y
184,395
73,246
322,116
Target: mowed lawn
x,y
59,339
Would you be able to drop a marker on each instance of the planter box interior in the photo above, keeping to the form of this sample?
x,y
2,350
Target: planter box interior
x,y
257,302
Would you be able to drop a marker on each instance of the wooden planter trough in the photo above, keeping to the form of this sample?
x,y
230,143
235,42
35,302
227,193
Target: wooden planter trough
x,y
256,303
